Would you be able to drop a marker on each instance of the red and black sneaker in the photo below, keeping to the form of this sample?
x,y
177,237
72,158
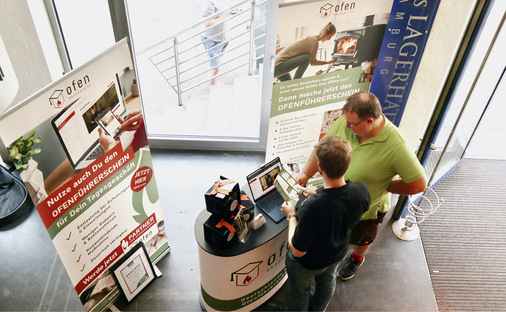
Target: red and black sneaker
x,y
349,268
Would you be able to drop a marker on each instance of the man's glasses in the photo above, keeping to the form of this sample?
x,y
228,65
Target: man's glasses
x,y
351,126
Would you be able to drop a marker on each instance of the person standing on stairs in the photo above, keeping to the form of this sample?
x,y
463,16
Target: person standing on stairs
x,y
214,38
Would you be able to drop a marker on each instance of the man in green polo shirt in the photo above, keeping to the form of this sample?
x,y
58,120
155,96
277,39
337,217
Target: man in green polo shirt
x,y
381,159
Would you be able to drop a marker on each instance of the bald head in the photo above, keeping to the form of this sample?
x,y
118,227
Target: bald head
x,y
364,104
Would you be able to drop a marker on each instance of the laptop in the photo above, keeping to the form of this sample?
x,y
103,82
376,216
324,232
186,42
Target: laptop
x,y
76,126
263,190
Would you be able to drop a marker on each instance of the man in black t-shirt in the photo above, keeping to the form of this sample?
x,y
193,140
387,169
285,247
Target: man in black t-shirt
x,y
318,232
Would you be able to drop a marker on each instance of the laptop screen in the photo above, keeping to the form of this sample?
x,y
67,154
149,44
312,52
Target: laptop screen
x,y
261,181
76,125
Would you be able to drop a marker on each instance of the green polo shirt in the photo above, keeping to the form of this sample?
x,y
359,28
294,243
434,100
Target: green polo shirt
x,y
377,161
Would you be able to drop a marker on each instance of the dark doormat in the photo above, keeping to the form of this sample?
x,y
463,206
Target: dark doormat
x,y
464,241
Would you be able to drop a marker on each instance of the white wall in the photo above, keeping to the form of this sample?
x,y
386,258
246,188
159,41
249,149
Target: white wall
x,y
445,36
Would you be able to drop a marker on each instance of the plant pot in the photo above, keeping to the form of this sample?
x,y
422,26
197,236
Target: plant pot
x,y
33,179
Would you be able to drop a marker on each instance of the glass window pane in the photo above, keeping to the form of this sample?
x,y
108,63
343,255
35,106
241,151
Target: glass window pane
x,y
175,71
86,27
472,93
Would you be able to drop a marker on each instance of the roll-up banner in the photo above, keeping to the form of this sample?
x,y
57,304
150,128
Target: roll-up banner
x,y
377,47
305,106
401,52
81,149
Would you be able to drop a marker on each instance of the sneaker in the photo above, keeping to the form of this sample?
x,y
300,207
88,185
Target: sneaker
x,y
349,268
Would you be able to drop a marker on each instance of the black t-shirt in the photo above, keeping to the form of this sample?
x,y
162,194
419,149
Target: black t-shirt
x,y
325,221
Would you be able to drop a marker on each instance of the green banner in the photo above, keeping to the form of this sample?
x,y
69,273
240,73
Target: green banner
x,y
301,94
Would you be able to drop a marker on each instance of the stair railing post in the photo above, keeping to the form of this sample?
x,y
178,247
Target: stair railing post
x,y
178,79
252,50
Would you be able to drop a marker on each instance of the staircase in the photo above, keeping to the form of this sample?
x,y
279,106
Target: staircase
x,y
187,101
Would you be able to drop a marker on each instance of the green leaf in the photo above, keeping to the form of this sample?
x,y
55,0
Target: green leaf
x,y
13,151
32,133
22,150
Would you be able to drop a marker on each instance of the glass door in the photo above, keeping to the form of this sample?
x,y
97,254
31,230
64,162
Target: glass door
x,y
479,85
472,85
175,70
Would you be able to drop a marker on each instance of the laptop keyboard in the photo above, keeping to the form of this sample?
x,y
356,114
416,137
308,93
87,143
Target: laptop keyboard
x,y
99,151
271,201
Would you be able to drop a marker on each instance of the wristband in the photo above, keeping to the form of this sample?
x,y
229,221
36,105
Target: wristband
x,y
291,216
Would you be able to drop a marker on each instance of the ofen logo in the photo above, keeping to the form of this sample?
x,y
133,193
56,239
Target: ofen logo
x,y
326,10
74,88
57,99
247,274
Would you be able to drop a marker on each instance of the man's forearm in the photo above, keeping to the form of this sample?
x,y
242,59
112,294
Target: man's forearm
x,y
292,224
399,187
310,167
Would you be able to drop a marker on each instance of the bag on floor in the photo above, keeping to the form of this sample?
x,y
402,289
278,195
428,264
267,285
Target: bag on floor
x,y
14,198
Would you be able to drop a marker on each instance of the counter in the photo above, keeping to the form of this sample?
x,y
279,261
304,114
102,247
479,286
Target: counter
x,y
241,276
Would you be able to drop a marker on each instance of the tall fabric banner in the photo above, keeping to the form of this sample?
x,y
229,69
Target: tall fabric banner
x,y
81,149
401,52
304,107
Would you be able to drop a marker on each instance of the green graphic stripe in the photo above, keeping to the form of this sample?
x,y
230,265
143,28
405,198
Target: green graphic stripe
x,y
111,297
300,94
239,303
104,188
151,189
159,252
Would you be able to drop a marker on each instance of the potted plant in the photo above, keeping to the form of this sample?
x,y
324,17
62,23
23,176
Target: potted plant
x,y
21,152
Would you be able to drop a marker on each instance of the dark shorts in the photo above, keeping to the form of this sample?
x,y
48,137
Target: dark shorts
x,y
365,231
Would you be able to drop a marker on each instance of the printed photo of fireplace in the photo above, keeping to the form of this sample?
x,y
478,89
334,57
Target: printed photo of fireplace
x,y
358,47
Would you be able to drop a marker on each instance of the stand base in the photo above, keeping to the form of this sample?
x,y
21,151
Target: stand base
x,y
402,231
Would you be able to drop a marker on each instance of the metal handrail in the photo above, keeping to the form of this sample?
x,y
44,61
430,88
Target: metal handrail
x,y
207,60
179,57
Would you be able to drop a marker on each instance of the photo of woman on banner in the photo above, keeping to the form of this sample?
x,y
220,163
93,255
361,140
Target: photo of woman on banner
x,y
300,54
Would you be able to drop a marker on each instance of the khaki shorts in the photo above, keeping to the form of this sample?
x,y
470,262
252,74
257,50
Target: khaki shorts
x,y
365,231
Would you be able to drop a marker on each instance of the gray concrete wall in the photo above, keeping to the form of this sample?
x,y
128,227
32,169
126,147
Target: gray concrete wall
x,y
22,44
